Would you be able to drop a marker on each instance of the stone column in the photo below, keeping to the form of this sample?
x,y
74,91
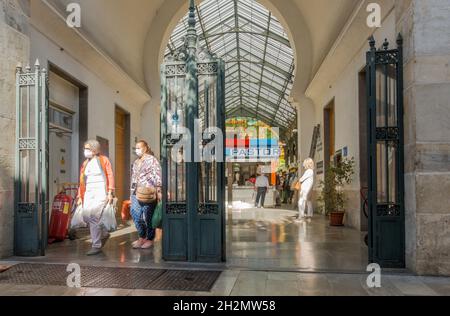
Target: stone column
x,y
425,26
14,48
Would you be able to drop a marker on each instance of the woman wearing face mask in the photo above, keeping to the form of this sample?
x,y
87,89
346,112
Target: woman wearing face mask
x,y
307,183
146,178
96,190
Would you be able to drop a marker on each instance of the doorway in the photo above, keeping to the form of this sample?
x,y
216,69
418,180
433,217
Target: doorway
x,y
122,154
61,141
329,133
67,129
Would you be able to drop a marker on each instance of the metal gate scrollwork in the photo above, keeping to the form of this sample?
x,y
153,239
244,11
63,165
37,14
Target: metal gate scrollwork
x,y
31,170
192,100
386,155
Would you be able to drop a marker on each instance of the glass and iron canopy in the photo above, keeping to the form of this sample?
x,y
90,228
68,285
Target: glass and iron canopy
x,y
259,58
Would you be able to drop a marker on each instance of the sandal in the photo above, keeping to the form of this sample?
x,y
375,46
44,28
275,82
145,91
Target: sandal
x,y
147,245
138,243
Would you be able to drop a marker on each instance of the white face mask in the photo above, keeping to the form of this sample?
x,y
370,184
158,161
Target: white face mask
x,y
139,153
88,153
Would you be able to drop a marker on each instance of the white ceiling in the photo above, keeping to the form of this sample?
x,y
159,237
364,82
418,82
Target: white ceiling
x,y
325,20
134,32
119,28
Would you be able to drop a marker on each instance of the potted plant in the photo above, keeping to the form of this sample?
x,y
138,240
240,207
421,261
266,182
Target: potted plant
x,y
332,195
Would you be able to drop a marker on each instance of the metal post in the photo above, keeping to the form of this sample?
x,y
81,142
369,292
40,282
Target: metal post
x,y
164,152
192,115
371,125
401,139
207,164
17,154
220,114
38,153
44,159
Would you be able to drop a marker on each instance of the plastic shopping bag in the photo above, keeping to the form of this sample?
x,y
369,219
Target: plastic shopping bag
x,y
77,218
157,216
108,219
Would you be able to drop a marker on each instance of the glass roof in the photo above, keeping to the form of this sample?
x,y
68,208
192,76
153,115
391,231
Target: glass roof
x,y
258,56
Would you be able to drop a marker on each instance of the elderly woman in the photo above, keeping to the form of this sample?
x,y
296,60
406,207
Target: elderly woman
x,y
95,192
307,183
145,191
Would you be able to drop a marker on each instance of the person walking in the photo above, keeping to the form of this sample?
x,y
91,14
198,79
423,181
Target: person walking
x,y
261,186
293,178
286,188
278,190
307,183
95,192
145,192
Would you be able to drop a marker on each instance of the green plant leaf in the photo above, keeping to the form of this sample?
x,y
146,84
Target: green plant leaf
x,y
331,198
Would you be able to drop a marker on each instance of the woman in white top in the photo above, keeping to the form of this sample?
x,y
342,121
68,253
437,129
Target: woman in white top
x,y
95,192
307,181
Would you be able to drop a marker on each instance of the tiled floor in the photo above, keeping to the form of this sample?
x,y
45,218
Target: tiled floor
x,y
258,240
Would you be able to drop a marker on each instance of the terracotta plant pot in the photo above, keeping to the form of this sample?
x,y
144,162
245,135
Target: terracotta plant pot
x,y
337,218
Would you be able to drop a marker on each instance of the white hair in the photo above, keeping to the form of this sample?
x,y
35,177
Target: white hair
x,y
94,145
309,164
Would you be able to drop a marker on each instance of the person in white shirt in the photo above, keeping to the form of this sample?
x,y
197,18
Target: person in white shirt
x,y
261,186
307,182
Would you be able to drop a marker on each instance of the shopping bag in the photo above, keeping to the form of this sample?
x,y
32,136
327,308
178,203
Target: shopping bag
x,y
157,216
295,184
77,218
108,219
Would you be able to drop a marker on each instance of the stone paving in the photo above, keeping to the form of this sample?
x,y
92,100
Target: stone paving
x,y
258,283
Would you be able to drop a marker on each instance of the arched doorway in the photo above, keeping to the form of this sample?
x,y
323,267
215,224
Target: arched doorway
x,y
260,68
166,15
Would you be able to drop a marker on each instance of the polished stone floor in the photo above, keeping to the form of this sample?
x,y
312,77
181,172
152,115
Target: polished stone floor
x,y
272,239
269,254
257,239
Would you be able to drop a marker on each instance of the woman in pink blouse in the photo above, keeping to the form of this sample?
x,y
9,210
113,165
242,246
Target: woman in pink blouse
x,y
146,173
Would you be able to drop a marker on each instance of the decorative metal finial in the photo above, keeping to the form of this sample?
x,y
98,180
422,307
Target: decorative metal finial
x,y
191,36
37,64
19,67
192,21
399,40
386,44
372,42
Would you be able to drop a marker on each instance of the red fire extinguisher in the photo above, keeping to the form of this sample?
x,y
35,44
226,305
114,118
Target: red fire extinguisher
x,y
60,218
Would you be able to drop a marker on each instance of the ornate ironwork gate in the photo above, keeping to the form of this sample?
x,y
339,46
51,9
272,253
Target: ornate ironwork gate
x,y
192,121
31,172
386,155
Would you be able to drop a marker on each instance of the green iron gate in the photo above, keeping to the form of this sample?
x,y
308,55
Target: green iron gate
x,y
193,103
386,155
31,171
